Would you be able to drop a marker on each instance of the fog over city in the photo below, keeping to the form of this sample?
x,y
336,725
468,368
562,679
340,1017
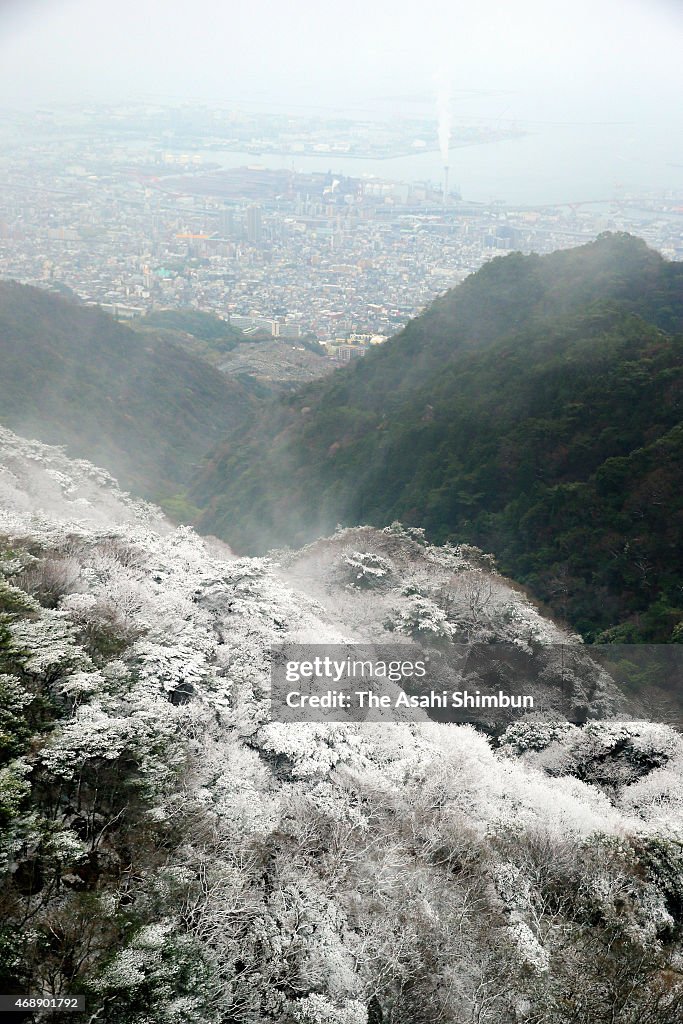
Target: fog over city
x,y
533,60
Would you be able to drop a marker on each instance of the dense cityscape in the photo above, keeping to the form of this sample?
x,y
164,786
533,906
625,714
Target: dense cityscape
x,y
131,209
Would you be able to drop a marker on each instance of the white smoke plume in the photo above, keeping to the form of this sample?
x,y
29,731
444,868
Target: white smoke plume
x,y
443,113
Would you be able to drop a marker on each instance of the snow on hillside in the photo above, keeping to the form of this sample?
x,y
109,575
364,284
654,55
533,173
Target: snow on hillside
x,y
42,489
178,856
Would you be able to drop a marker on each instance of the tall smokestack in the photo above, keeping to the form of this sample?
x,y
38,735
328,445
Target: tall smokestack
x,y
443,111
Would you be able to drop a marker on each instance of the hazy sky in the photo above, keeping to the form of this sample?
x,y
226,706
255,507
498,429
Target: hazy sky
x,y
518,59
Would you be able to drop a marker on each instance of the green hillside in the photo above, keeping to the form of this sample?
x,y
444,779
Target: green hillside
x,y
536,411
206,335
137,404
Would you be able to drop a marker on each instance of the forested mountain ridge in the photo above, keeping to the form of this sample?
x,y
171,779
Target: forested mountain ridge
x,y
535,410
172,853
140,405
